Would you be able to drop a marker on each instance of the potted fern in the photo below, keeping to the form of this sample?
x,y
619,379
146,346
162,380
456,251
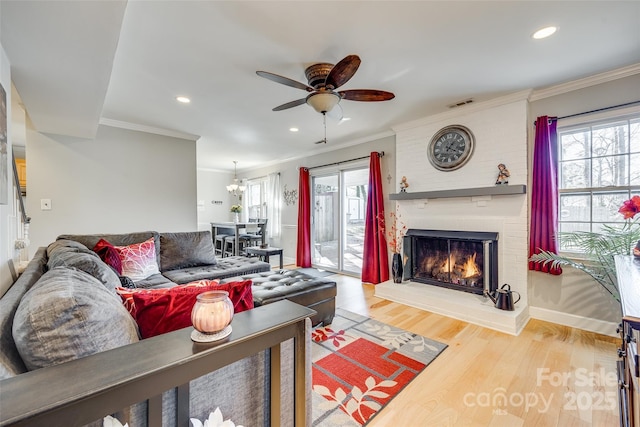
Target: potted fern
x,y
601,247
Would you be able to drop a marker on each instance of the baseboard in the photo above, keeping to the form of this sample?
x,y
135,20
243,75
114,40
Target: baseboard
x,y
574,321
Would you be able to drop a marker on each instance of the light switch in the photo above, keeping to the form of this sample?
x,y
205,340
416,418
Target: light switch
x,y
45,204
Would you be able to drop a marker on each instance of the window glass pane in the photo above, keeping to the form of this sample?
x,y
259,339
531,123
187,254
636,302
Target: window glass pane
x,y
255,196
610,139
634,168
575,174
598,227
574,144
634,135
575,207
611,170
570,227
606,205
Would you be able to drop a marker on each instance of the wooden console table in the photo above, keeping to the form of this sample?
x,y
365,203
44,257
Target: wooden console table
x,y
628,275
50,396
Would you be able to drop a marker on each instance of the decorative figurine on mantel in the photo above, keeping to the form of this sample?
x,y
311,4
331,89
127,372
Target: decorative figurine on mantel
x,y
503,175
404,185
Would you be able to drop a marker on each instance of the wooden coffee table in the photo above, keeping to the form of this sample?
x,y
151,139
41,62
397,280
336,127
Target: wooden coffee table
x,y
265,253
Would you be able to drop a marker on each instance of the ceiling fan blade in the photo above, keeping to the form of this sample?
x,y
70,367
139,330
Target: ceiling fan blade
x,y
290,104
367,95
322,141
284,80
342,71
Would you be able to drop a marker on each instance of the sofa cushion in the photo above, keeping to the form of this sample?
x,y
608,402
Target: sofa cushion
x,y
66,315
109,254
155,281
89,263
64,245
159,311
11,363
226,267
188,249
139,260
124,239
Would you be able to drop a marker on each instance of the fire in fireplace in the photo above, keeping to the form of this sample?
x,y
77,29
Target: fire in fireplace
x,y
462,260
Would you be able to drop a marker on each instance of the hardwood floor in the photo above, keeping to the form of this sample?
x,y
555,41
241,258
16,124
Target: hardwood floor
x,y
549,375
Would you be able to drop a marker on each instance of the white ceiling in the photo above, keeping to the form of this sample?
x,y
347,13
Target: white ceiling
x,y
75,63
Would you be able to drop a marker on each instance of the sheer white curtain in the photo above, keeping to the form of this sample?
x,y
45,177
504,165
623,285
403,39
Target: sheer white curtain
x,y
274,206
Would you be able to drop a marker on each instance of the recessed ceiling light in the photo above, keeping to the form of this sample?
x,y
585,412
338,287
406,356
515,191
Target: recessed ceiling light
x,y
293,129
183,99
544,32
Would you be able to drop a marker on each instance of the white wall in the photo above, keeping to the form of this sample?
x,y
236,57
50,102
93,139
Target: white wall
x,y
574,293
121,181
7,212
212,188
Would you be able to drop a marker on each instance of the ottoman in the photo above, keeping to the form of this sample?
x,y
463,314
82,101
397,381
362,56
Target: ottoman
x,y
318,294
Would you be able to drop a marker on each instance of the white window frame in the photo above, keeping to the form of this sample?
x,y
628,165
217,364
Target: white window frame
x,y
626,191
262,203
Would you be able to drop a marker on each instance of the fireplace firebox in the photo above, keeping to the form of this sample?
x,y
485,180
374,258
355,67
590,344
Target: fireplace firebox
x,y
461,260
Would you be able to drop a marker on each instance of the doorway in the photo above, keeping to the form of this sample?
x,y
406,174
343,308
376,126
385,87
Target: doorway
x,y
338,212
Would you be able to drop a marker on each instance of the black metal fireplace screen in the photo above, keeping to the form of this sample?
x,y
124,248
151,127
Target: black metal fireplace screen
x,y
461,260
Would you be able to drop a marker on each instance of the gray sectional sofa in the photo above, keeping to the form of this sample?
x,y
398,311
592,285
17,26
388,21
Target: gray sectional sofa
x,y
64,307
182,257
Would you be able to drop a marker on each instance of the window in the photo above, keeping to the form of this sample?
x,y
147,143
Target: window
x,y
256,198
263,200
599,168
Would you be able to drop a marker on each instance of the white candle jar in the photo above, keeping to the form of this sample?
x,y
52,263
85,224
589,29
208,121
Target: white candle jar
x,y
212,312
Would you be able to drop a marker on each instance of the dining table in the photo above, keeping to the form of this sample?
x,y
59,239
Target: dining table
x,y
238,226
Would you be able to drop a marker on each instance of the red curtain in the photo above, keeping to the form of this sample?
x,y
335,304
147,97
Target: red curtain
x,y
375,264
543,230
303,255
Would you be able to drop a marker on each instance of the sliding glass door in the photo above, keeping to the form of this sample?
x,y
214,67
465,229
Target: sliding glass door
x,y
338,210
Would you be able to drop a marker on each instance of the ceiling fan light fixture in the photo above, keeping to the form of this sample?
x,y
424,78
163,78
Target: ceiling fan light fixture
x,y
323,102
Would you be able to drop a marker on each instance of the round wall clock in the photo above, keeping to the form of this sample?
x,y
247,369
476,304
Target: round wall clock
x,y
451,147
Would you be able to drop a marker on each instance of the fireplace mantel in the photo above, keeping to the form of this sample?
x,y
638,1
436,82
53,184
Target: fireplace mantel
x,y
498,190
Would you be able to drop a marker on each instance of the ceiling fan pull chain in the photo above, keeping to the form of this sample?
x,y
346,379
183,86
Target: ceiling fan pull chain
x,y
324,120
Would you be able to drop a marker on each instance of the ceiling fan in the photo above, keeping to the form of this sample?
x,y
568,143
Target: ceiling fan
x,y
323,80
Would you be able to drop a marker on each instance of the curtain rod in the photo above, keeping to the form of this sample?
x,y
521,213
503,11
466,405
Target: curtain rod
x,y
595,111
380,154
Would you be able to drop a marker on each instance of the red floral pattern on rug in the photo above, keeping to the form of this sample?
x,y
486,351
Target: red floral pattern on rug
x,y
360,364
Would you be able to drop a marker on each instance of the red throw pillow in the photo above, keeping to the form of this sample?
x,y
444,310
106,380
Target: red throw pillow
x,y
158,311
239,292
109,254
127,293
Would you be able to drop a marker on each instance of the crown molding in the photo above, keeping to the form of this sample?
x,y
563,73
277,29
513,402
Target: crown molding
x,y
148,129
522,95
597,79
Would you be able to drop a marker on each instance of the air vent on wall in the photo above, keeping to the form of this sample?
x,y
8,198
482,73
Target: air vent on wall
x,y
461,103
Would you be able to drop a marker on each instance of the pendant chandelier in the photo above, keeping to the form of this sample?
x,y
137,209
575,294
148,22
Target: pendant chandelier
x,y
236,187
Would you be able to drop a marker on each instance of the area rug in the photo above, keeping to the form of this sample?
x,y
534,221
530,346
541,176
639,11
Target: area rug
x,y
360,364
315,273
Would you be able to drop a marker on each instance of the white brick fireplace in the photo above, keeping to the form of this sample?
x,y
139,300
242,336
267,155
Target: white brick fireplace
x,y
500,130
